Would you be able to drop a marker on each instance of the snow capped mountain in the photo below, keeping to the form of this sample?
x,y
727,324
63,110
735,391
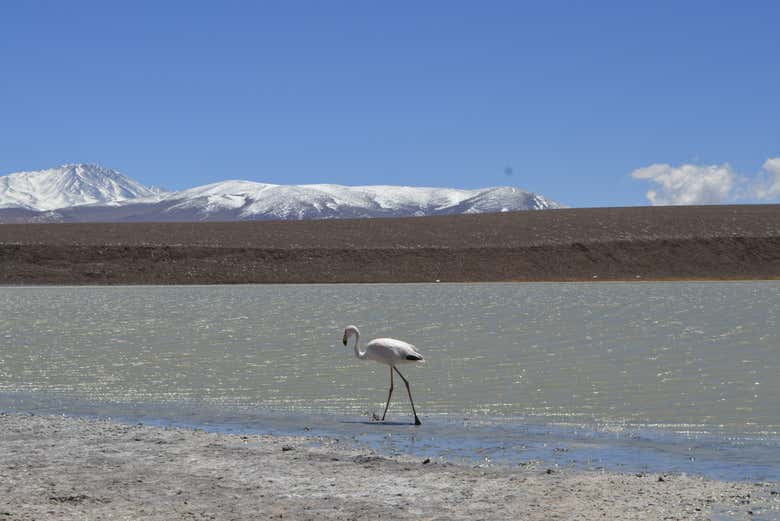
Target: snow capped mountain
x,y
87,193
244,200
68,185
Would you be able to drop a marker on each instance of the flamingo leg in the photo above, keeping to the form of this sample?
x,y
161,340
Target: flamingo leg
x,y
388,394
416,419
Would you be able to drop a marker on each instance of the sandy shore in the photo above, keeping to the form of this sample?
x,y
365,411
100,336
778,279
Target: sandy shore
x,y
71,468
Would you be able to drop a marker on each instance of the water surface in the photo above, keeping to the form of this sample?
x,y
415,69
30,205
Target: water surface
x,y
667,365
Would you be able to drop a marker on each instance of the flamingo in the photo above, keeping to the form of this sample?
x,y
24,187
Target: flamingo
x,y
390,352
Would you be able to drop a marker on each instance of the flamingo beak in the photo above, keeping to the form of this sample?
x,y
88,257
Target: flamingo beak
x,y
344,340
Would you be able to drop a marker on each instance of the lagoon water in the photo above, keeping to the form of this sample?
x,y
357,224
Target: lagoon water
x,y
674,376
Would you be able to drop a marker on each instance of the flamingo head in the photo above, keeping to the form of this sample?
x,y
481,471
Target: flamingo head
x,y
348,332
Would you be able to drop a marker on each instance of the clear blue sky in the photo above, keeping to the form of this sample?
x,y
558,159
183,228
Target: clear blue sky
x,y
573,96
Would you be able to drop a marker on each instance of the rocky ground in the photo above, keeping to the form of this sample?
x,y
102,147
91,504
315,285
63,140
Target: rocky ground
x,y
68,468
712,242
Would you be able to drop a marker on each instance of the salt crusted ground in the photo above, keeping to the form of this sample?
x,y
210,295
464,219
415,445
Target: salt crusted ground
x,y
70,468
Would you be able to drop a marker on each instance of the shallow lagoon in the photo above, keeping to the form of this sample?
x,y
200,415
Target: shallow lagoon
x,y
657,376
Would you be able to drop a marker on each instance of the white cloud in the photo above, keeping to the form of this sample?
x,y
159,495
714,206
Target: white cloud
x,y
709,184
767,184
688,184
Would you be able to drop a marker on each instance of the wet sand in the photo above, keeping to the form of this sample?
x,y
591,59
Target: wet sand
x,y
643,243
54,467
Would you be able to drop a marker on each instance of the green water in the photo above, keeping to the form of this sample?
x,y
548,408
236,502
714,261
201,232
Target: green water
x,y
687,355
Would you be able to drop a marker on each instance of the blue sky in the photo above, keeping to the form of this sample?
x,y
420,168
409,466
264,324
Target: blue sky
x,y
574,97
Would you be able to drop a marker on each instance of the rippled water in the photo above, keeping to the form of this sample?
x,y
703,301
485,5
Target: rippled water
x,y
693,358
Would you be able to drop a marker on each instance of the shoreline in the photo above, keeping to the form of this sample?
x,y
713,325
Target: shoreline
x,y
693,280
78,468
722,453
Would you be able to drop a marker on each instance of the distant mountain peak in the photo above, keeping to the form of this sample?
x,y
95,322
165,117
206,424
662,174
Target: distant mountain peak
x,y
71,184
89,192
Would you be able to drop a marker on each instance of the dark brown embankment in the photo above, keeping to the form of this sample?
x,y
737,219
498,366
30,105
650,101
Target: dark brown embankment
x,y
713,242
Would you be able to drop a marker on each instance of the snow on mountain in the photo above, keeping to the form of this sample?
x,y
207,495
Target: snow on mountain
x,y
83,193
67,186
501,199
244,200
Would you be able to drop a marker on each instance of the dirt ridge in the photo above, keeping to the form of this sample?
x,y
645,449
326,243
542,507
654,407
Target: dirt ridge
x,y
730,242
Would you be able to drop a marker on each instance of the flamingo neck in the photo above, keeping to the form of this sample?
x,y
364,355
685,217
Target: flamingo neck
x,y
358,353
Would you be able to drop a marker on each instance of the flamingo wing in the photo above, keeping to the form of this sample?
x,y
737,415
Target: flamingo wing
x,y
391,351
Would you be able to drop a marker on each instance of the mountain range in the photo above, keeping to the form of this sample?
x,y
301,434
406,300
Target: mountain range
x,y
92,193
